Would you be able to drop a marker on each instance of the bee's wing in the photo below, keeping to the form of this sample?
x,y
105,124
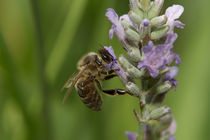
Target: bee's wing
x,y
71,83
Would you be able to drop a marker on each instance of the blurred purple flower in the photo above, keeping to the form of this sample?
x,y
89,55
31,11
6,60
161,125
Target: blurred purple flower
x,y
172,138
171,129
172,13
160,56
131,136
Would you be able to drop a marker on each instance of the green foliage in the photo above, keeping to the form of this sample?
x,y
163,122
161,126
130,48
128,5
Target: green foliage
x,y
40,43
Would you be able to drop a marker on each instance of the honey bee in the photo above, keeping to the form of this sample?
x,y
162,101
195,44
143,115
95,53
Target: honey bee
x,y
91,70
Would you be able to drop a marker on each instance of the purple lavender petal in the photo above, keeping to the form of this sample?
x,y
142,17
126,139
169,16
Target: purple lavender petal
x,y
177,59
160,56
131,136
173,13
174,83
178,24
171,38
153,72
117,27
171,74
148,48
112,15
111,33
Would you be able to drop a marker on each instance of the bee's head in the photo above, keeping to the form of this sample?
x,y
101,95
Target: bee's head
x,y
105,55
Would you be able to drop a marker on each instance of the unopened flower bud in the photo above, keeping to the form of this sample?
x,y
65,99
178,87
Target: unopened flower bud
x,y
132,35
136,17
159,112
133,89
144,28
132,71
157,34
126,24
134,5
134,54
164,87
145,4
158,21
155,9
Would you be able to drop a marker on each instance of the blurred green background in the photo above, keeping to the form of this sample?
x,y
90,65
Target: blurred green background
x,y
40,44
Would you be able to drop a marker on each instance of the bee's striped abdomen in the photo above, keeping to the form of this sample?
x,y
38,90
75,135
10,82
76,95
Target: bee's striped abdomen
x,y
89,94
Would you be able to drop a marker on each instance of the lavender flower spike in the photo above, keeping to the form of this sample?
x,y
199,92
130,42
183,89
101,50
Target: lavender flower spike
x,y
160,56
137,30
173,13
131,136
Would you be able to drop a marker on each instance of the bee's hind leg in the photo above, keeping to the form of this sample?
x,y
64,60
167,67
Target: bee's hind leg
x,y
115,91
111,91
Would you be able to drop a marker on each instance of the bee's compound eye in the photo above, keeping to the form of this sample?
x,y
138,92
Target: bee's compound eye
x,y
104,57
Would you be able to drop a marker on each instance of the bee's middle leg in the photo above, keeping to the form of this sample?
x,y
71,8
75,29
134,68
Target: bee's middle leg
x,y
111,91
109,74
